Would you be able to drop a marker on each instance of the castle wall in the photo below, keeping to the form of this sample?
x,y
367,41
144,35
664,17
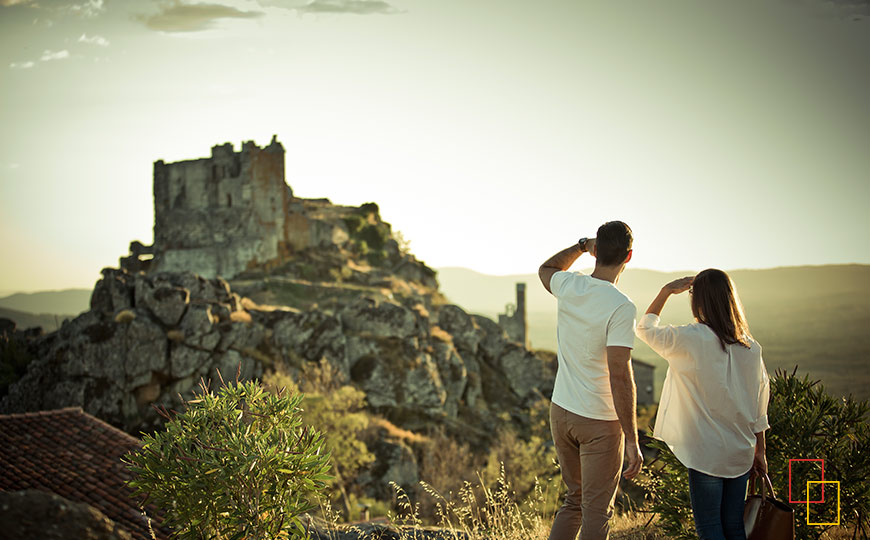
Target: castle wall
x,y
221,215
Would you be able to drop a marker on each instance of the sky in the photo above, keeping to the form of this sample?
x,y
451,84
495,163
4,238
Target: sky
x,y
491,133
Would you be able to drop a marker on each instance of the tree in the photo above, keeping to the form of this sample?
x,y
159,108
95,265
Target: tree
x,y
235,464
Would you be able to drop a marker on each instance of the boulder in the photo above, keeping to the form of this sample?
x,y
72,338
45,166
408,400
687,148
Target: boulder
x,y
166,302
400,380
459,324
312,336
36,514
382,319
494,338
184,361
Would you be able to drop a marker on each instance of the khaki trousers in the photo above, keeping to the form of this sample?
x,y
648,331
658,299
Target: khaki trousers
x,y
590,457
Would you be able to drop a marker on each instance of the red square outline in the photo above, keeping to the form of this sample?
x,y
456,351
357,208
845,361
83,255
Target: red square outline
x,y
789,481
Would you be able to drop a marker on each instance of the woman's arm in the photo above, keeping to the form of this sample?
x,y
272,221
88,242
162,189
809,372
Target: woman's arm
x,y
662,339
759,462
674,287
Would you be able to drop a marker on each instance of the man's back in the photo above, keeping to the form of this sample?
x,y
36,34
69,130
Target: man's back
x,y
593,315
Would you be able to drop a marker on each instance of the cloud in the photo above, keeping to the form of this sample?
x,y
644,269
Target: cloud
x,y
358,7
86,8
89,8
177,17
21,65
94,40
54,55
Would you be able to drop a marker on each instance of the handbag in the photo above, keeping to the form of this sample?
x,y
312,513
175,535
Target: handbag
x,y
765,517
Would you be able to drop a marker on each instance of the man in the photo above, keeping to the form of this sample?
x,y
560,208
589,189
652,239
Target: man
x,y
592,415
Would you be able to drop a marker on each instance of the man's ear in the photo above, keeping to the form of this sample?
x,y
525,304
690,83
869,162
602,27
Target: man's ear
x,y
628,257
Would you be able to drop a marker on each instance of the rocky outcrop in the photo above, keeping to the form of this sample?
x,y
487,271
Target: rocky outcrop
x,y
146,339
36,514
150,338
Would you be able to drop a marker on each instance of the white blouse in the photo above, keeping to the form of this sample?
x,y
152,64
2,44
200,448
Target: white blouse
x,y
713,401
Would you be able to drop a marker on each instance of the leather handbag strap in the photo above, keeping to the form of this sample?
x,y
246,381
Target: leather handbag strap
x,y
769,485
766,485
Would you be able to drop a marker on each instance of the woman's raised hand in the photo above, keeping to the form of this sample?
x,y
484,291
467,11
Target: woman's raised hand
x,y
679,285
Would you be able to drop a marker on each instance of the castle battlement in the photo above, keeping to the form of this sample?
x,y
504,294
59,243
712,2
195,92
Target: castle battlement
x,y
227,213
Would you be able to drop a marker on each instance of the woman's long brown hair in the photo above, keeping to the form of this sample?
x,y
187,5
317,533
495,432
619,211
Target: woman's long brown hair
x,y
716,304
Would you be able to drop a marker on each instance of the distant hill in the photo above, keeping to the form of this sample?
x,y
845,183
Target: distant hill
x,y
815,317
48,322
66,301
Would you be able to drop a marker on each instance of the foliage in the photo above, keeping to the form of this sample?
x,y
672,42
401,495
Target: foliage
x,y
236,464
805,422
526,462
480,512
14,358
337,410
369,208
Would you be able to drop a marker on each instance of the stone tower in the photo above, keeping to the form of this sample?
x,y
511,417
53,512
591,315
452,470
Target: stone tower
x,y
514,321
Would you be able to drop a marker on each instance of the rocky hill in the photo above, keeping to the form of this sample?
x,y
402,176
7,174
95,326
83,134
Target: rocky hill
x,y
367,307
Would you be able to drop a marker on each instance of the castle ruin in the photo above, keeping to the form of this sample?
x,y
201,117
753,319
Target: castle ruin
x,y
514,321
231,212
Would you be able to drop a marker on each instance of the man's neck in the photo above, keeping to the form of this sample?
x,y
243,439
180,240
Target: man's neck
x,y
607,273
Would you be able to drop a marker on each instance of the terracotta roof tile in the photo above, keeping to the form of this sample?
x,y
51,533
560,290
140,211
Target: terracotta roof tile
x,y
77,456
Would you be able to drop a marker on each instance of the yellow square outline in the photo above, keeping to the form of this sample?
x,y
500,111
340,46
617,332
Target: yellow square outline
x,y
838,500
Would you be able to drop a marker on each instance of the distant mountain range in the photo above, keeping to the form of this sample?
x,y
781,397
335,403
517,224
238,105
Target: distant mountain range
x,y
813,317
72,301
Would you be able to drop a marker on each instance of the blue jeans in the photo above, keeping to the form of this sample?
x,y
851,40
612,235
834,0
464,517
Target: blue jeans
x,y
717,504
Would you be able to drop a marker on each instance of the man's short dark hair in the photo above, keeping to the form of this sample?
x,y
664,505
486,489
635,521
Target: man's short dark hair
x,y
613,242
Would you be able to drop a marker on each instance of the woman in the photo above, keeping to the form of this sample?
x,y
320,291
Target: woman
x,y
713,409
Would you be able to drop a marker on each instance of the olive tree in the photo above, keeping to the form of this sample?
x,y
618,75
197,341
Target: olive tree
x,y
238,463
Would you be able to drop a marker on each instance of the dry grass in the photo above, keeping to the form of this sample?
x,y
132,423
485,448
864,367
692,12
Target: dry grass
x,y
241,316
395,431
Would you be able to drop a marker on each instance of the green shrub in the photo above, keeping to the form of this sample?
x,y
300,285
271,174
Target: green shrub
x,y
375,236
805,422
236,464
354,223
369,208
337,409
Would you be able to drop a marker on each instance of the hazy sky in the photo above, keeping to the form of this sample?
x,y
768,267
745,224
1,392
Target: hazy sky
x,y
492,133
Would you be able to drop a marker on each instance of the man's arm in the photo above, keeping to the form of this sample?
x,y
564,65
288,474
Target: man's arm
x,y
625,401
562,261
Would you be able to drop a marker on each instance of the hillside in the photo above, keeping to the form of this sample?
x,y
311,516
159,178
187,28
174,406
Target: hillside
x,y
47,321
813,317
72,301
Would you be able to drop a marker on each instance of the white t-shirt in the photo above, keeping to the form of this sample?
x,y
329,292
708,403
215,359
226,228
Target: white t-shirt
x,y
713,401
593,315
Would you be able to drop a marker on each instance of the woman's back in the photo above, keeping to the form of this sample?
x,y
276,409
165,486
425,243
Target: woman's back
x,y
713,400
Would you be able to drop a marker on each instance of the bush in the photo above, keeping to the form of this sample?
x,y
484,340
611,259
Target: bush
x,y
337,409
236,464
805,422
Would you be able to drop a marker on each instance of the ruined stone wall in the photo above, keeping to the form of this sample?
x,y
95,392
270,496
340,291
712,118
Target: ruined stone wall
x,y
644,375
514,320
223,214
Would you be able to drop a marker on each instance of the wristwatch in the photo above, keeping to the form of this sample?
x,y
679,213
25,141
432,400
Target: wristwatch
x,y
582,242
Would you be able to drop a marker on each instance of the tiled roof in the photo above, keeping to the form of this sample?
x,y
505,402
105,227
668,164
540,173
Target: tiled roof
x,y
77,456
